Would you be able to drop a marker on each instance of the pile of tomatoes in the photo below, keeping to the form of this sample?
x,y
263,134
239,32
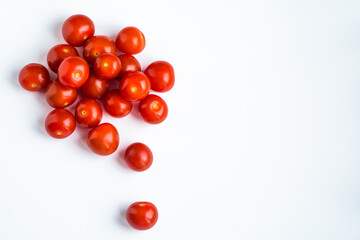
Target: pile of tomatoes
x,y
92,74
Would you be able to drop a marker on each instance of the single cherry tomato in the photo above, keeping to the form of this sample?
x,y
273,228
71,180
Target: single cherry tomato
x,y
58,53
128,64
34,77
134,86
130,40
161,75
115,105
138,157
153,109
88,113
73,72
95,87
60,123
96,46
59,96
103,139
107,66
77,29
142,215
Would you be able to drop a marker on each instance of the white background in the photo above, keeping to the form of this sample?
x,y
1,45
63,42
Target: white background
x,y
261,142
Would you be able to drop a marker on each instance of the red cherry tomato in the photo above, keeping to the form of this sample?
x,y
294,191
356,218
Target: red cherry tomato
x,y
60,123
59,96
58,53
96,46
73,72
34,77
153,109
107,66
128,64
115,105
130,40
134,86
142,215
103,139
161,75
95,87
88,113
138,157
77,29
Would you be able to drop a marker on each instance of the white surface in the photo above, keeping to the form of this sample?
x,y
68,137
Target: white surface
x,y
262,139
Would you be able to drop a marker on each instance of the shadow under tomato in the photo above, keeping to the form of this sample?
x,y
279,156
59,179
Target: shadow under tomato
x,y
121,217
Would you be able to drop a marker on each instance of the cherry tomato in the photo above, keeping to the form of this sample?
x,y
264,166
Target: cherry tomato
x,y
115,105
142,215
95,87
60,123
77,29
107,66
59,96
73,72
153,109
103,139
138,157
58,53
96,46
130,40
161,75
134,86
128,64
34,77
88,113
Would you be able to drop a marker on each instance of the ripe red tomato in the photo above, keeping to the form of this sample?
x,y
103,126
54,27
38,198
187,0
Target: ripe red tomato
x,y
107,66
142,215
161,75
60,123
59,96
153,109
128,64
115,105
34,77
95,87
138,157
77,29
130,40
58,53
73,72
134,86
96,46
103,139
88,113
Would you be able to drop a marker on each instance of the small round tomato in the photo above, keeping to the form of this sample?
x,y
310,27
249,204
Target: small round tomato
x,y
103,139
34,77
107,66
88,113
115,105
138,157
60,123
73,72
134,86
128,64
153,109
130,40
161,75
59,96
142,215
95,87
96,46
77,29
58,53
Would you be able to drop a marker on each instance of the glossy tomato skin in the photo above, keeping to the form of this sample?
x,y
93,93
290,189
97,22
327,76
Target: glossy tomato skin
x,y
58,53
73,72
107,66
103,139
134,86
142,215
59,96
34,77
115,105
138,157
60,123
96,46
88,113
130,40
161,75
95,87
128,64
153,109
77,29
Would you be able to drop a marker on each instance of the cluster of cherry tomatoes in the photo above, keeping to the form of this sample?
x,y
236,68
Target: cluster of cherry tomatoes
x,y
91,74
